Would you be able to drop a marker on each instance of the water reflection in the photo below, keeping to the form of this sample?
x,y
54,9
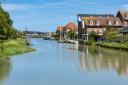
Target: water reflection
x,y
4,67
96,58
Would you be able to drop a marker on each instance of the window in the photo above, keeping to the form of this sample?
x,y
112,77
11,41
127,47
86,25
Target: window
x,y
127,16
97,23
91,22
109,23
125,23
117,23
83,24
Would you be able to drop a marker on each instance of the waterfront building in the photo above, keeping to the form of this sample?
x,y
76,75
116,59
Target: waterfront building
x,y
123,15
97,23
70,27
60,31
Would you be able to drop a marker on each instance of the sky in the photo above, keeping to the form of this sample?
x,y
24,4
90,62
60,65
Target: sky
x,y
46,15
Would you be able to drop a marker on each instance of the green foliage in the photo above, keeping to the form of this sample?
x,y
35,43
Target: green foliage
x,y
114,45
92,36
12,47
90,42
71,34
57,35
112,33
6,26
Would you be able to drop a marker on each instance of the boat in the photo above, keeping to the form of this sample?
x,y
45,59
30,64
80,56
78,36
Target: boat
x,y
61,41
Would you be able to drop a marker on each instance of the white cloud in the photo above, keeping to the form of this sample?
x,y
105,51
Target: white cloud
x,y
91,3
125,6
15,7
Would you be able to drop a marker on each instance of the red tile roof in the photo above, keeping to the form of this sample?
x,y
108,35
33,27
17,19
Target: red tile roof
x,y
71,26
60,28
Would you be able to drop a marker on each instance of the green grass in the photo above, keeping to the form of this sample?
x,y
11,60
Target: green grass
x,y
13,47
114,45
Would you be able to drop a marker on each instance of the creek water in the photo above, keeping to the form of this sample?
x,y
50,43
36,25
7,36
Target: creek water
x,y
56,63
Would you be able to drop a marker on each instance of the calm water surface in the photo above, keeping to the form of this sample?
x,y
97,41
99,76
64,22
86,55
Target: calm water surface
x,y
65,64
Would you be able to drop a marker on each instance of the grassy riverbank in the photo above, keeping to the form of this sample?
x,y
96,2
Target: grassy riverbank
x,y
13,47
114,45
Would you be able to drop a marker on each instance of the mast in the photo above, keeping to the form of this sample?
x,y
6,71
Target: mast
x,y
60,34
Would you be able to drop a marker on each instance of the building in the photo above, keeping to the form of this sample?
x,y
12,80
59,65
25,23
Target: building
x,y
60,31
60,28
123,15
63,30
71,26
97,23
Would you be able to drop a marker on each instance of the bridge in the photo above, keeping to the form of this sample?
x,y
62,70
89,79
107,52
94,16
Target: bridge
x,y
37,34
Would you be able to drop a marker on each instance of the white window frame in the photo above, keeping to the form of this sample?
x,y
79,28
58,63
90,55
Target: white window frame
x,y
91,22
110,23
98,23
127,16
117,23
125,23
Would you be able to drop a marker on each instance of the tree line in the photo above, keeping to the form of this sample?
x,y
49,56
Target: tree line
x,y
7,31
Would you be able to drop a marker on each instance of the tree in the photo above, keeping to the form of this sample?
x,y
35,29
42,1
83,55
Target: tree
x,y
93,36
6,26
112,33
71,34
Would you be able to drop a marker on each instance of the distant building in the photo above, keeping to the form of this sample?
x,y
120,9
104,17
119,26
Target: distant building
x,y
60,28
123,15
97,23
60,31
71,26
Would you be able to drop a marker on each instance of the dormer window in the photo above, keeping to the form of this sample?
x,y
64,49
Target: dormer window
x,y
109,23
91,22
125,23
97,23
127,16
116,22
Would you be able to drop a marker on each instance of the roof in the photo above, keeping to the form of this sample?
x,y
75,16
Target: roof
x,y
103,21
124,13
71,25
95,15
60,28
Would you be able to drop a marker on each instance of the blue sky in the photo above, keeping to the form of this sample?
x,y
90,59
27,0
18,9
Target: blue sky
x,y
46,15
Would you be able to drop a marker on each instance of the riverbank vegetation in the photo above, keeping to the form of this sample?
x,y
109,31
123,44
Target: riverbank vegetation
x,y
114,45
14,46
10,43
112,38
